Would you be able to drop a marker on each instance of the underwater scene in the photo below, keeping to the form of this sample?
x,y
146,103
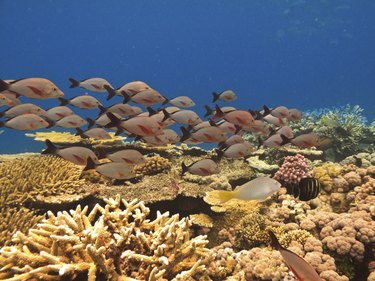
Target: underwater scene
x,y
187,140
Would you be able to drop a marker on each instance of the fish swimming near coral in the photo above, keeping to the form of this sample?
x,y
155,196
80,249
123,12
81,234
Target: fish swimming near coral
x,y
204,167
306,189
300,268
26,122
75,154
257,189
113,170
25,108
94,133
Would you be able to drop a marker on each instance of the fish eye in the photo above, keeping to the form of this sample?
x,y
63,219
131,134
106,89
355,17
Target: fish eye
x,y
54,89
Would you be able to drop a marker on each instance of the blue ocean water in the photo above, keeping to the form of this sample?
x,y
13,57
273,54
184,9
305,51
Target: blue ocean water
x,y
298,53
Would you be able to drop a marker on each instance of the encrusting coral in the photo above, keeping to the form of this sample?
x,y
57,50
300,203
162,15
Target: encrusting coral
x,y
114,242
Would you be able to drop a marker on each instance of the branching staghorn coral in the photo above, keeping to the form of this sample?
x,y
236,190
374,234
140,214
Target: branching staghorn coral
x,y
112,242
13,219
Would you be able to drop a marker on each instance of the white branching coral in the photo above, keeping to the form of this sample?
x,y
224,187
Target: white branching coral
x,y
114,242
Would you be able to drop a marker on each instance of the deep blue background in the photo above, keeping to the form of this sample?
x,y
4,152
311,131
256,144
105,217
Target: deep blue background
x,y
305,54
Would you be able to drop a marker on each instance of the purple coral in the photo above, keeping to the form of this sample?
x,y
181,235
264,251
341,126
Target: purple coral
x,y
293,169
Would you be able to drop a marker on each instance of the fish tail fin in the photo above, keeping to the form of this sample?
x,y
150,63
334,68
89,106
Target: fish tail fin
x,y
209,111
50,122
126,97
151,111
238,129
51,148
102,109
79,132
285,140
2,124
274,241
260,142
114,121
74,82
220,153
225,195
166,115
212,122
215,96
166,100
219,113
90,122
266,110
3,85
90,164
184,168
185,134
256,114
63,101
111,92
119,131
2,113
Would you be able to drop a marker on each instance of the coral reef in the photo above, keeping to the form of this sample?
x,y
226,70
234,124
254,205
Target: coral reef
x,y
13,219
153,165
109,242
66,138
325,174
41,178
342,129
293,169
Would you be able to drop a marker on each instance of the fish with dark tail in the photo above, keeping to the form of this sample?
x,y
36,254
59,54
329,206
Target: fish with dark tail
x,y
301,269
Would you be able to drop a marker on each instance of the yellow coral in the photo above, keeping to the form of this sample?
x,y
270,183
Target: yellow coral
x,y
115,242
153,165
39,176
326,173
13,219
68,138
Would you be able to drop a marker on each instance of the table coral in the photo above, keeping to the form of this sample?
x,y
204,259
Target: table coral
x,y
37,177
114,242
66,138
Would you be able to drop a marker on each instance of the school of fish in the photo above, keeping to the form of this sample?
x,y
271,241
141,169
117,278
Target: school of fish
x,y
224,126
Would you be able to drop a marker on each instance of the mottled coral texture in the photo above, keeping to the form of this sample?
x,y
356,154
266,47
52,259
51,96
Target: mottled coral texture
x,y
293,169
